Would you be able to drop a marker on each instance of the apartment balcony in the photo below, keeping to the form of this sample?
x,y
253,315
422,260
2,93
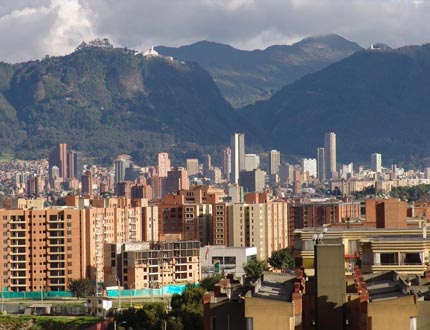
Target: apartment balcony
x,y
56,274
56,242
57,282
17,242
181,271
18,282
56,266
54,250
18,228
405,268
55,220
56,258
18,251
18,265
17,220
56,234
18,261
15,235
18,274
56,227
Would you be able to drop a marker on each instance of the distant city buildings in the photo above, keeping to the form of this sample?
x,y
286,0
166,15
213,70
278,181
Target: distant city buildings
x,y
330,155
321,172
376,163
309,166
192,166
163,164
274,162
237,156
252,162
226,163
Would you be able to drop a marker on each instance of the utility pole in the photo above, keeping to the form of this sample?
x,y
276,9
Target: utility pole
x,y
119,293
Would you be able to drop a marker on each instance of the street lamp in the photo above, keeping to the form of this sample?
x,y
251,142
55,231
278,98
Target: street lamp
x,y
317,238
151,284
119,293
115,325
2,296
131,294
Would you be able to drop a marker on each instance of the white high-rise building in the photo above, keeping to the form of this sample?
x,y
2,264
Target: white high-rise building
x,y
237,156
252,162
347,170
274,161
226,163
192,166
376,162
330,154
309,165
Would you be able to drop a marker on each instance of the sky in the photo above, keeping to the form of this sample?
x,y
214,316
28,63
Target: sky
x,y
31,29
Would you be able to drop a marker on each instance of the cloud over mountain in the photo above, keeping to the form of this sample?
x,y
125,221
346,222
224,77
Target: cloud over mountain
x,y
31,29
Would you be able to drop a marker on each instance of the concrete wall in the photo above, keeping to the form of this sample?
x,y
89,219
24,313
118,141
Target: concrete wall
x,y
269,314
392,314
225,315
331,285
423,319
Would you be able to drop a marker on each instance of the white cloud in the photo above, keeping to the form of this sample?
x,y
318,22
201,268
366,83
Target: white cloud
x,y
32,28
54,28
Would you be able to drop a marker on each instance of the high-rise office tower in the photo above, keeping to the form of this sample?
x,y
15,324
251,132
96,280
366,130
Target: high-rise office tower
x,y
78,164
75,164
192,166
252,162
87,183
121,163
309,165
376,162
58,157
163,164
274,161
237,156
321,163
70,164
207,164
330,154
226,163
177,179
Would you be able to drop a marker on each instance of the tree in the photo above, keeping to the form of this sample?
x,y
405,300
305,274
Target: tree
x,y
282,259
188,307
208,283
254,268
80,287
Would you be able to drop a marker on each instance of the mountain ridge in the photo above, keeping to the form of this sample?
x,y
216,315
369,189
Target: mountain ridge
x,y
246,76
111,100
371,100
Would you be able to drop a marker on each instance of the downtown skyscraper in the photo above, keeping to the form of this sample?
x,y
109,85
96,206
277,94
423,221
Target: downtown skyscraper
x,y
321,163
330,155
274,161
237,146
376,162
